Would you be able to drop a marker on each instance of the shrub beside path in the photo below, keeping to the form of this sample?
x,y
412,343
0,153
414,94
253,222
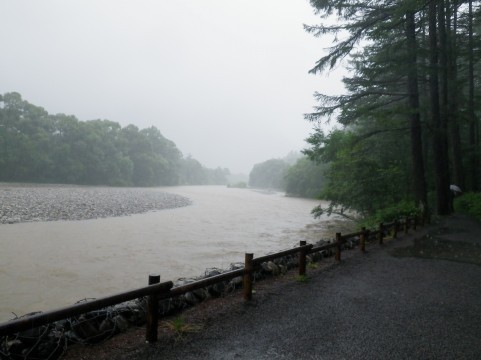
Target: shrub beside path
x,y
416,297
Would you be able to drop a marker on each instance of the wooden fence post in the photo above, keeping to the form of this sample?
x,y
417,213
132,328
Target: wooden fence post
x,y
248,269
381,233
406,225
415,222
362,239
395,229
338,247
302,259
152,312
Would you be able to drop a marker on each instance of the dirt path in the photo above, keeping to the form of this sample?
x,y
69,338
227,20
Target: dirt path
x,y
415,305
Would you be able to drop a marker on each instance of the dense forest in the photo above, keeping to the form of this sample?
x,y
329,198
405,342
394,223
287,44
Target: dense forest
x,y
409,120
36,146
295,174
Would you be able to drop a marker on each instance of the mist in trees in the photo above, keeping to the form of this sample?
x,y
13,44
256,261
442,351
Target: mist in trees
x,y
305,178
269,174
410,119
294,174
36,146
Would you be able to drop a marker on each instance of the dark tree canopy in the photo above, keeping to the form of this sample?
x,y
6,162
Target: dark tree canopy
x,y
36,146
409,117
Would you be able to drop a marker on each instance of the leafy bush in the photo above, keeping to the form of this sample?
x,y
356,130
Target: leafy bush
x,y
395,212
469,203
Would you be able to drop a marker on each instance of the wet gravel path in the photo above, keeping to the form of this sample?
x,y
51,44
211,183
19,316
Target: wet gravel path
x,y
380,308
24,202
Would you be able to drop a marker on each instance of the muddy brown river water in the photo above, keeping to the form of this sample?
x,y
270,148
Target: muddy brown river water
x,y
46,265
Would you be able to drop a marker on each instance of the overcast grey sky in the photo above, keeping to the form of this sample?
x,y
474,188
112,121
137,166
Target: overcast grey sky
x,y
226,80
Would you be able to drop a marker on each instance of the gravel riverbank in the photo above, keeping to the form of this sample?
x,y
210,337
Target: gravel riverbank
x,y
33,202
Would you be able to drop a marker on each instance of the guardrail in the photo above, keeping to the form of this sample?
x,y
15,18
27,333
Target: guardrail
x,y
156,290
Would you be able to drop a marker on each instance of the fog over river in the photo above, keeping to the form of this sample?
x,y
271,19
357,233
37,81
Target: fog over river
x,y
48,264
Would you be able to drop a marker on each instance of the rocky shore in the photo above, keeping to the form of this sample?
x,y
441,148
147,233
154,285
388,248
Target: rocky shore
x,y
33,202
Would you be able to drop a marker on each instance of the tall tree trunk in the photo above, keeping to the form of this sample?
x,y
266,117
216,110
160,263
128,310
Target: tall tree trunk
x,y
419,181
438,127
473,124
453,125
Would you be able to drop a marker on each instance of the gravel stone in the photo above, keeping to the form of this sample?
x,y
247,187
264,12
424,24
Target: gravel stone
x,y
32,202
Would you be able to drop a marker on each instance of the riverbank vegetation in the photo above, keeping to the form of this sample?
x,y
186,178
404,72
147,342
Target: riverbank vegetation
x,y
407,127
269,174
409,120
39,147
295,174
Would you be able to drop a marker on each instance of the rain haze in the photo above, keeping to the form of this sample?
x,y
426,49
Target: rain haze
x,y
227,81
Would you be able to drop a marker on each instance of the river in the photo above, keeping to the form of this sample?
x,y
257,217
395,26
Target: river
x,y
46,265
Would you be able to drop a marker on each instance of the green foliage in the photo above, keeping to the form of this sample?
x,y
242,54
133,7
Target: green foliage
x,y
296,174
269,174
303,279
391,213
365,173
374,161
180,327
469,203
305,179
38,147
193,173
